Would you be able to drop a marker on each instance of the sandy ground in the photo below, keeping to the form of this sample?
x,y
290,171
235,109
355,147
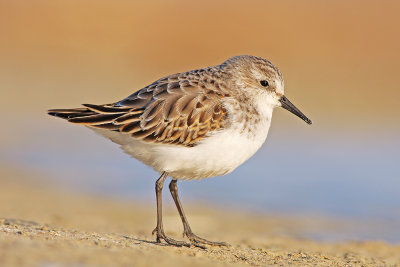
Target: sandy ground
x,y
42,226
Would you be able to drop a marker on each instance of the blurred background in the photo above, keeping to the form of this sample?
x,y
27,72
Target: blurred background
x,y
341,64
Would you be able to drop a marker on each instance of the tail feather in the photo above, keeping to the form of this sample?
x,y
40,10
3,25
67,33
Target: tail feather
x,y
106,109
70,113
99,116
94,119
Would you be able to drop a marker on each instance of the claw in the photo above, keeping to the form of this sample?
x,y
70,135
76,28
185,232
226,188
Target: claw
x,y
194,239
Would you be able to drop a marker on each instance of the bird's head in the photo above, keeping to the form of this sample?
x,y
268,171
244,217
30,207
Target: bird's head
x,y
260,75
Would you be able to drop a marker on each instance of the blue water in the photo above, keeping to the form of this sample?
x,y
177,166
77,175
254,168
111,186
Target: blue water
x,y
351,175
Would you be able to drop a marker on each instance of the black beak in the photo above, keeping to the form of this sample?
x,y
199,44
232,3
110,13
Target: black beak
x,y
286,104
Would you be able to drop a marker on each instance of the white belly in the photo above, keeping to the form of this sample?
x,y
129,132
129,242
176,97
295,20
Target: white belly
x,y
215,155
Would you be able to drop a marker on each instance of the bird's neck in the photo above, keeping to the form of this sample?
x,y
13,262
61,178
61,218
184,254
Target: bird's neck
x,y
251,115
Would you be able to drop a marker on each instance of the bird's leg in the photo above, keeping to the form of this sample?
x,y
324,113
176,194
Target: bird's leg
x,y
194,239
159,230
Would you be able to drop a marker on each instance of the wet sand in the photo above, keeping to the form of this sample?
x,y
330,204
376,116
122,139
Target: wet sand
x,y
43,225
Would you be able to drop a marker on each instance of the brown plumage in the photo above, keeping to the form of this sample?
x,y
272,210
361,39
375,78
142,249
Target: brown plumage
x,y
178,109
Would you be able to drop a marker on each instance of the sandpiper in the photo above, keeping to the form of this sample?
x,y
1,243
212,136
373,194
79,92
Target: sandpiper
x,y
192,125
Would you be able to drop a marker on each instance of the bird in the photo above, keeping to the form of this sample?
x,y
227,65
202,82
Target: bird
x,y
192,125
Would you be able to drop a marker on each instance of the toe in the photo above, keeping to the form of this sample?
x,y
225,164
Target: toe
x,y
198,240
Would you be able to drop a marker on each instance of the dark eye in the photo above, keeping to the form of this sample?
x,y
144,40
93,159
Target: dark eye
x,y
264,83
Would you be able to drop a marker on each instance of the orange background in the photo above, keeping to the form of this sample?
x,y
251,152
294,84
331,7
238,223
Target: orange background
x,y
340,59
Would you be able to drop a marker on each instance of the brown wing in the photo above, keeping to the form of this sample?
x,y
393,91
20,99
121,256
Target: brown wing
x,y
179,109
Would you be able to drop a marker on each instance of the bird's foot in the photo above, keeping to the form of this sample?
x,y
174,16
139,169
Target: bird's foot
x,y
194,240
161,236
198,241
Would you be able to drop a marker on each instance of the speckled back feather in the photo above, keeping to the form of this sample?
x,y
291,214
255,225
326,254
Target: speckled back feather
x,y
179,109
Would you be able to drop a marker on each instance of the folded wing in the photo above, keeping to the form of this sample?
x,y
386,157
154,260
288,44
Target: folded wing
x,y
173,110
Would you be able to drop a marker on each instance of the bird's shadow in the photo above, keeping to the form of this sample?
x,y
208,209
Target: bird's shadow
x,y
140,240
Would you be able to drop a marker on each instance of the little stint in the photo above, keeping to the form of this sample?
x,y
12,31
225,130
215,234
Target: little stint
x,y
192,125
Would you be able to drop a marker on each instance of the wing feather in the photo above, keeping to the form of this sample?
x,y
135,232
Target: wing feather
x,y
179,109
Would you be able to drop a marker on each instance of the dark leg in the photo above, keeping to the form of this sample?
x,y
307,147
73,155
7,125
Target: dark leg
x,y
159,228
195,240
